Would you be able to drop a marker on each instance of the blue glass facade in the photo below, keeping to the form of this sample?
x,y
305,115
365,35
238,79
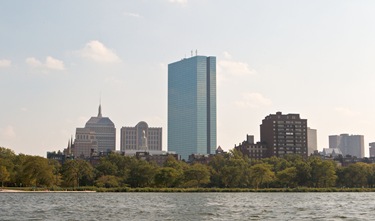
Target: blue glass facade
x,y
192,106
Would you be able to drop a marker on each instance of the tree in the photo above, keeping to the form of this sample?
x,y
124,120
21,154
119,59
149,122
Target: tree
x,y
106,167
196,175
6,153
303,175
179,166
7,158
357,175
323,173
107,181
77,172
141,173
216,165
287,177
371,180
235,173
261,174
166,177
4,175
121,163
230,170
56,169
37,171
277,163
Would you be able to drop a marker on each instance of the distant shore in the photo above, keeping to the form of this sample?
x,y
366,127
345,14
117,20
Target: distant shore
x,y
44,191
261,190
191,190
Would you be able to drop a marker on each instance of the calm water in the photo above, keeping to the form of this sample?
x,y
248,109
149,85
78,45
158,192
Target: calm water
x,y
187,206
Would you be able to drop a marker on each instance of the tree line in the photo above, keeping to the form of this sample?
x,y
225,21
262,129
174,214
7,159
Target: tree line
x,y
228,170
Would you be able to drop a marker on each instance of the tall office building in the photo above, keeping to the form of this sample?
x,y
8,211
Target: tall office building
x,y
99,134
312,141
131,137
192,106
284,134
353,145
372,149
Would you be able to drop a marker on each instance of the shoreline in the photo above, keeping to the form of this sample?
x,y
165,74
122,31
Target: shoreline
x,y
45,191
195,190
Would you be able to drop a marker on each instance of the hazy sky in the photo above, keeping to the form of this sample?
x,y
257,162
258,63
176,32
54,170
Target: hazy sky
x,y
315,58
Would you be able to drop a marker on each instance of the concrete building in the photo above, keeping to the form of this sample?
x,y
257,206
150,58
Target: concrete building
x,y
252,150
98,136
284,134
372,149
312,141
352,145
131,137
85,143
192,106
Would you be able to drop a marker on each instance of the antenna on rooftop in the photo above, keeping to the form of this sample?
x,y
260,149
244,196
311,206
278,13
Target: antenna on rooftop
x,y
100,105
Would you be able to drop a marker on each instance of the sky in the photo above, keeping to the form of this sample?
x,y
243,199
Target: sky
x,y
59,58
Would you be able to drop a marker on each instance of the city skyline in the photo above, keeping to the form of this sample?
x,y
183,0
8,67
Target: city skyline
x,y
56,58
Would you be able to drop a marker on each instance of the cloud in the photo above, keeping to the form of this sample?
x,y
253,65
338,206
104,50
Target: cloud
x,y
97,52
346,112
53,63
134,15
253,100
33,62
227,55
50,63
229,67
182,2
7,132
23,109
5,63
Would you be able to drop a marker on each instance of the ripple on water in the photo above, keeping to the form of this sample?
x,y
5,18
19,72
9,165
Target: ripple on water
x,y
186,206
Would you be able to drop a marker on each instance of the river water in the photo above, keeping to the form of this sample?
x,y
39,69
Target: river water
x,y
187,206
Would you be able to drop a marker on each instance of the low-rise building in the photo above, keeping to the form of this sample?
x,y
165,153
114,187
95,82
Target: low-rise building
x,y
252,150
159,159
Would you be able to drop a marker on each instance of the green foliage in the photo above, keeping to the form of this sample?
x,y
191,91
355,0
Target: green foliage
x,y
225,172
167,177
277,164
323,173
287,177
36,171
4,175
261,174
196,175
107,181
141,173
77,173
230,170
356,175
7,158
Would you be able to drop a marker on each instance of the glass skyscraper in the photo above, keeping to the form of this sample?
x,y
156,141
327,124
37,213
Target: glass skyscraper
x,y
192,106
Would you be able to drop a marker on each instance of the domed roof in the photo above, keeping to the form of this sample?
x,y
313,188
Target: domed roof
x,y
100,121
